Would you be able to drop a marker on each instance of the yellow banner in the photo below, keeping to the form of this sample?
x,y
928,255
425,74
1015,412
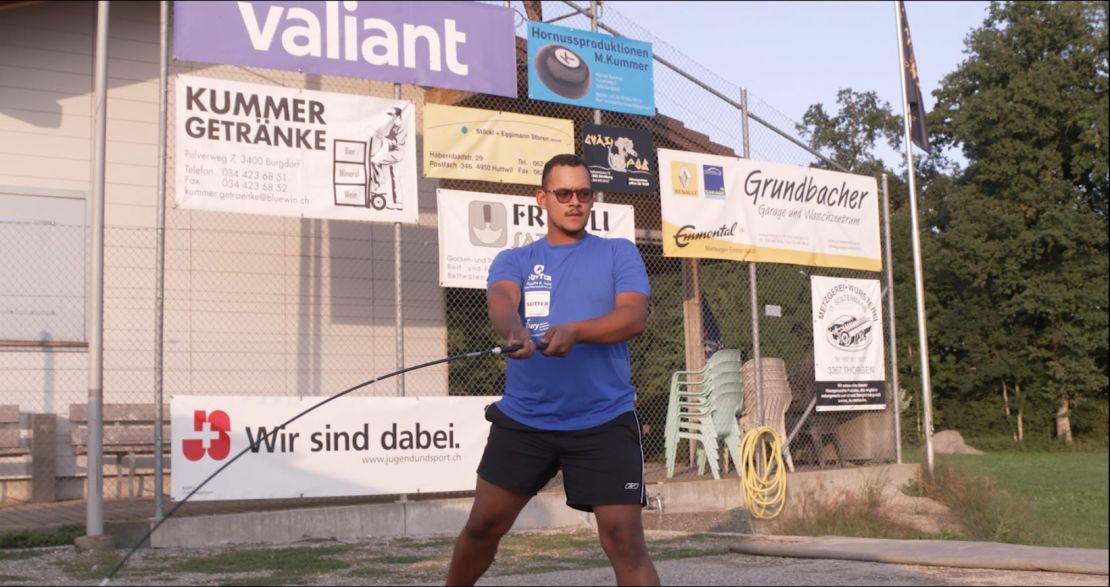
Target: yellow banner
x,y
485,145
684,241
719,207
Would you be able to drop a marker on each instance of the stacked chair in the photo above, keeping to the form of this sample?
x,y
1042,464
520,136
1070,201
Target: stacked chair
x,y
776,400
703,408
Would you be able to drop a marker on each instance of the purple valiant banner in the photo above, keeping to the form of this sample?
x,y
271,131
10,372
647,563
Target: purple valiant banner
x,y
460,45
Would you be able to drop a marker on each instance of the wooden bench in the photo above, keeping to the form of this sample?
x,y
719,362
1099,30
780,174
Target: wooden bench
x,y
128,434
11,442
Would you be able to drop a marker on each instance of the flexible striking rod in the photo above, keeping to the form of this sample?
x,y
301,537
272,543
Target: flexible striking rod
x,y
497,350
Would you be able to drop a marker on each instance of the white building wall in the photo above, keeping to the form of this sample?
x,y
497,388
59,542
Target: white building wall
x,y
253,304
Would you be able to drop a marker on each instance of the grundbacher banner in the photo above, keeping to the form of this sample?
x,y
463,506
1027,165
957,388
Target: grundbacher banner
x,y
486,145
460,45
351,446
849,362
728,208
474,227
260,149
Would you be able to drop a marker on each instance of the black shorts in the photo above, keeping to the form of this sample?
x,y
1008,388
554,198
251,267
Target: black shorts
x,y
603,465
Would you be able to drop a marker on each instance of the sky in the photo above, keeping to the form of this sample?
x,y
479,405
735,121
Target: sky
x,y
795,54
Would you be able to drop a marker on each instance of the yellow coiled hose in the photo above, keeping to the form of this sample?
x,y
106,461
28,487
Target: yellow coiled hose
x,y
764,472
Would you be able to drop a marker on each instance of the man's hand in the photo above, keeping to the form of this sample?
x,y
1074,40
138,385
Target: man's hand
x,y
559,339
520,336
502,300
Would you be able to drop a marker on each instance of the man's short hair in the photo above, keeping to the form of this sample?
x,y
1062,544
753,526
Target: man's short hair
x,y
564,160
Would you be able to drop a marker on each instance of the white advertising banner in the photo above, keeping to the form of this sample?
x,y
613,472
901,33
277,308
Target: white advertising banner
x,y
351,446
849,363
728,208
278,151
474,227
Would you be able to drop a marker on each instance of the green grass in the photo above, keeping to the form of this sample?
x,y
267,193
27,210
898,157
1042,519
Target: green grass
x,y
855,513
399,559
92,566
270,559
17,555
1047,499
63,536
1053,498
408,560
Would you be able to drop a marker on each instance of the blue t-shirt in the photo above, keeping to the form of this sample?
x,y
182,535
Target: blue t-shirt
x,y
560,284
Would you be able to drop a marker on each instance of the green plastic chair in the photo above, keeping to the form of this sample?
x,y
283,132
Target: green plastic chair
x,y
702,408
725,404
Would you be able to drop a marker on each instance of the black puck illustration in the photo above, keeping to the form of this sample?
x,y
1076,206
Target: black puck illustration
x,y
563,71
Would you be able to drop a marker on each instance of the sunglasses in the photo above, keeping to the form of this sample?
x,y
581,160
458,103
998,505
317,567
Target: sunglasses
x,y
584,195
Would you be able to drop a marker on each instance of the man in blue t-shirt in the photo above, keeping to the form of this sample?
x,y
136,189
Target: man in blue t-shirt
x,y
576,299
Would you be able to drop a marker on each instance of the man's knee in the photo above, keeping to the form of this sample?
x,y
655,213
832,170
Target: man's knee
x,y
484,529
624,542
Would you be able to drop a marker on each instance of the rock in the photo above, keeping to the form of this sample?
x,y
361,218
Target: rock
x,y
951,442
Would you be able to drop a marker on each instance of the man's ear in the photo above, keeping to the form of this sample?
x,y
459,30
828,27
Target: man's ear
x,y
541,199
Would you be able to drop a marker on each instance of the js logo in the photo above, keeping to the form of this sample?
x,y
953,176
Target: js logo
x,y
214,431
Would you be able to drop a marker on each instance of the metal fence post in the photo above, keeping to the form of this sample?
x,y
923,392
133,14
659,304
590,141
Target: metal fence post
x,y
893,337
94,513
752,283
594,5
160,258
398,307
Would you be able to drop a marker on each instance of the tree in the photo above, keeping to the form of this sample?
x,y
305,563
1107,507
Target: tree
x,y
1021,271
850,136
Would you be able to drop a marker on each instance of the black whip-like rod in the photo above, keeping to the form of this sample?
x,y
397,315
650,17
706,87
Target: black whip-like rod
x,y
497,350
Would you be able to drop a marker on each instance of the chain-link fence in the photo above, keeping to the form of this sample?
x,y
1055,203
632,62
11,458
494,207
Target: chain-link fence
x,y
287,306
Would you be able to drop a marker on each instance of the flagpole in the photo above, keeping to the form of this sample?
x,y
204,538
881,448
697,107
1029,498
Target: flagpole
x,y
918,282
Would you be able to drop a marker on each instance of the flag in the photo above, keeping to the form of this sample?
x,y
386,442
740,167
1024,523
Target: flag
x,y
710,331
918,133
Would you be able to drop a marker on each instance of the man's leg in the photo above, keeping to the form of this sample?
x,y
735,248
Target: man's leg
x,y
494,511
621,530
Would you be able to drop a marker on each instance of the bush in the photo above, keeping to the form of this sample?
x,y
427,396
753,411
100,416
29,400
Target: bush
x,y
36,538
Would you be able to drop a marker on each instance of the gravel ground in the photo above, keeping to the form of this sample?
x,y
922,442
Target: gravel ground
x,y
548,558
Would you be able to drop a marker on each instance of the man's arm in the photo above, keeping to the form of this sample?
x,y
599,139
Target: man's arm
x,y
502,302
627,320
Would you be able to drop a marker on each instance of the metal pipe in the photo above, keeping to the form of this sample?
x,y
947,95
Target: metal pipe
x,y
398,308
801,422
893,332
757,355
160,258
594,5
94,512
918,280
558,18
